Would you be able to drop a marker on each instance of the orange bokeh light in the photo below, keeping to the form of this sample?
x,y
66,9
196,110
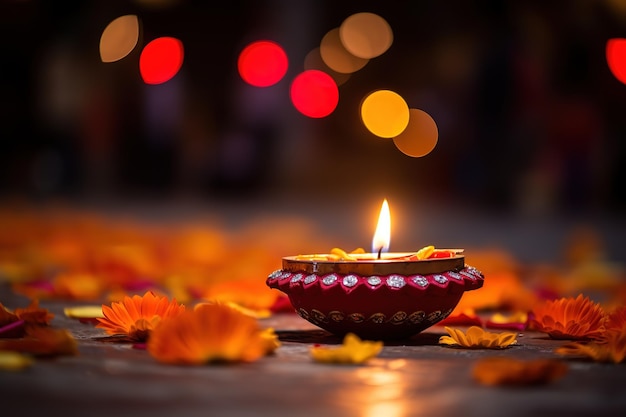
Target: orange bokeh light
x,y
385,113
119,38
366,35
337,57
420,136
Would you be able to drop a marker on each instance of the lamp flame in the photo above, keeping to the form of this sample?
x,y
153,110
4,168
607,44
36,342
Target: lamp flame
x,y
382,236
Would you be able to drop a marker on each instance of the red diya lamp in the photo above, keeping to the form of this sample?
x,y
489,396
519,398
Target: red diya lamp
x,y
378,295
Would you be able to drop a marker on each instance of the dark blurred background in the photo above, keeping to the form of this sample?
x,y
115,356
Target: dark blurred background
x,y
530,118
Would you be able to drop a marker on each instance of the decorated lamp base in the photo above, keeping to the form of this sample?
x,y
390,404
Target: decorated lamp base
x,y
371,300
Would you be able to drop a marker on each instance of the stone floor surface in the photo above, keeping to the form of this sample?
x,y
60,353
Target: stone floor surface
x,y
415,377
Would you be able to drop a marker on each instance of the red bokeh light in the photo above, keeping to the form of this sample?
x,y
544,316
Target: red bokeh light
x,y
262,63
314,93
616,58
161,60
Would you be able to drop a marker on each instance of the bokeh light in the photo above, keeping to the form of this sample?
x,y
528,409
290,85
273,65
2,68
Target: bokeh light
x,y
160,60
262,63
385,113
420,136
119,38
616,57
313,61
337,57
314,93
366,35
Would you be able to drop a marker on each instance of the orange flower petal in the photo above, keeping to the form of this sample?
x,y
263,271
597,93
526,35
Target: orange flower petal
x,y
137,316
569,318
465,318
616,320
612,349
42,341
210,333
509,371
34,314
476,337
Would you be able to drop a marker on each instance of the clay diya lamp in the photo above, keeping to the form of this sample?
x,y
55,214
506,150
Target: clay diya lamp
x,y
394,297
376,295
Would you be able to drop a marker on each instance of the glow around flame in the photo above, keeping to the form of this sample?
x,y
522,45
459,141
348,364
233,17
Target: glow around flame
x,y
382,236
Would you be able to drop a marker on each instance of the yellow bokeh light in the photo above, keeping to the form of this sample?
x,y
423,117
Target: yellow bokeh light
x,y
366,35
337,57
420,136
119,38
385,113
313,61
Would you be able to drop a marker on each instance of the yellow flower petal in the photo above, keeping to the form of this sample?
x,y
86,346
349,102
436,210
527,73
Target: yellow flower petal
x,y
476,337
447,340
342,254
14,361
255,313
518,317
425,252
84,312
352,351
458,336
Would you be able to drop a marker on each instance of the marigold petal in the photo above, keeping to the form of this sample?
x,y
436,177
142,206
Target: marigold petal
x,y
458,336
510,371
42,341
569,318
447,340
478,338
84,312
475,335
612,349
34,314
506,339
352,351
137,316
14,361
210,333
616,320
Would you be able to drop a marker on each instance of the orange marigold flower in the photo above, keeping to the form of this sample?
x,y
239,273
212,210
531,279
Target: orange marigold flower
x,y
616,320
476,337
569,318
12,323
34,314
6,316
136,317
42,341
510,371
612,349
210,333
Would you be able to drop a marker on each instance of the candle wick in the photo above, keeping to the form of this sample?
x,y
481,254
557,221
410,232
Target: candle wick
x,y
379,251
